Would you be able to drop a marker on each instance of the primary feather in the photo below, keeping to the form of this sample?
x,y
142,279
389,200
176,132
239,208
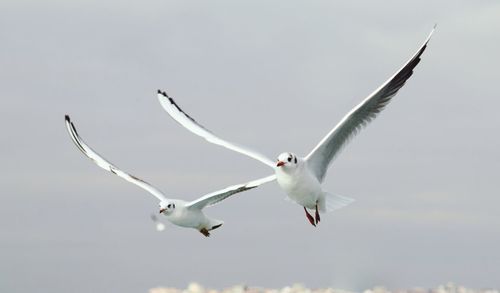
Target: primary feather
x,y
192,125
329,147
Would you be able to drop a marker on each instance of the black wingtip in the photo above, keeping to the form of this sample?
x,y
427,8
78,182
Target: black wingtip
x,y
163,93
66,118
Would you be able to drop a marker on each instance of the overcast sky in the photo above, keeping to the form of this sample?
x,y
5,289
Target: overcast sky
x,y
276,76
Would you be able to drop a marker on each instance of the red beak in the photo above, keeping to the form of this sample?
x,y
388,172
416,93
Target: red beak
x,y
280,163
162,210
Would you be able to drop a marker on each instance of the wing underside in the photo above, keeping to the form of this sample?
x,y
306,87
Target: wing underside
x,y
106,165
330,146
192,125
218,196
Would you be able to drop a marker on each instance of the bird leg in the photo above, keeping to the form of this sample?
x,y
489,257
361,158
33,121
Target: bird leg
x,y
318,218
309,217
205,232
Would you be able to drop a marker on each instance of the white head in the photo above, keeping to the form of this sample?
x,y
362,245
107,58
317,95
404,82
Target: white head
x,y
287,161
167,207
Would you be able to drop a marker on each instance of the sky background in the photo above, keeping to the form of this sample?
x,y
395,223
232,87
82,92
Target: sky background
x,y
273,75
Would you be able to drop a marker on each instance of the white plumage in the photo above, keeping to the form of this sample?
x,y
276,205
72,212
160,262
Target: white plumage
x,y
301,178
178,212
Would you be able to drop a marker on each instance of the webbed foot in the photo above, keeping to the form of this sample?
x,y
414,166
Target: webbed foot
x,y
205,232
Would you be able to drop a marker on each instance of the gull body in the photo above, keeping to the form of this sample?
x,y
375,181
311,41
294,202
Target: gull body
x,y
299,183
189,218
178,212
301,177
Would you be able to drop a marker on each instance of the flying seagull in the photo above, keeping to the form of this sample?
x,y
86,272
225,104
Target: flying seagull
x,y
301,177
179,212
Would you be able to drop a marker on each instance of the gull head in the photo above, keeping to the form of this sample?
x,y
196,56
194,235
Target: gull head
x,y
166,207
286,160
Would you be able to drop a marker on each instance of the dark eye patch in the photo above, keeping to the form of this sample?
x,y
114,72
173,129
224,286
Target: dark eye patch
x,y
295,160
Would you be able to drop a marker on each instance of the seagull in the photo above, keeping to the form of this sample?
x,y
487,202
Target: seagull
x,y
158,225
179,212
301,177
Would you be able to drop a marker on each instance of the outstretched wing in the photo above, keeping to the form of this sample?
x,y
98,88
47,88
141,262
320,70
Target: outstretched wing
x,y
101,162
323,154
218,196
190,124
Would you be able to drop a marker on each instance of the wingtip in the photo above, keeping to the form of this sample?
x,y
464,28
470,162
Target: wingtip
x,y
429,36
432,31
66,118
163,93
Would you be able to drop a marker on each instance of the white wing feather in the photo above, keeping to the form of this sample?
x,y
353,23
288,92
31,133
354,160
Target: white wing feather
x,y
323,154
101,162
218,196
190,124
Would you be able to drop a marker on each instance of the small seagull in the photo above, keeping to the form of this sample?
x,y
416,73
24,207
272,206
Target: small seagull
x,y
158,225
179,212
301,177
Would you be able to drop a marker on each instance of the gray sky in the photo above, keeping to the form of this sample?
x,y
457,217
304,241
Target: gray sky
x,y
274,75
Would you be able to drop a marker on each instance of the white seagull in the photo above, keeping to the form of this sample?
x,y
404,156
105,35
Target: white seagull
x,y
301,177
179,212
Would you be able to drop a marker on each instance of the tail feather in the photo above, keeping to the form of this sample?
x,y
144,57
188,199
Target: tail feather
x,y
333,202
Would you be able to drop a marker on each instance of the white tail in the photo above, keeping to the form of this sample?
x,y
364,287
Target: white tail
x,y
333,202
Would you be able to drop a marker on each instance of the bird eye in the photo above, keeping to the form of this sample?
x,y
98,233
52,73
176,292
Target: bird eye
x,y
169,205
289,159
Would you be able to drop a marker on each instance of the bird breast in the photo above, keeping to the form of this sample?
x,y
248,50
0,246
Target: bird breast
x,y
300,185
188,218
